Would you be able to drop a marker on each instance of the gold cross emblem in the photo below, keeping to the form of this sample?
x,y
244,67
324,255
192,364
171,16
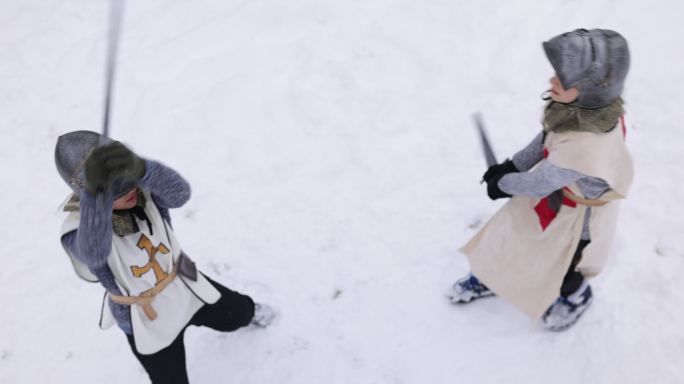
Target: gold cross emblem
x,y
146,244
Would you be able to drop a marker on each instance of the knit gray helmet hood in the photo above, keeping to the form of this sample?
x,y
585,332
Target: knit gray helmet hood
x,y
71,152
594,61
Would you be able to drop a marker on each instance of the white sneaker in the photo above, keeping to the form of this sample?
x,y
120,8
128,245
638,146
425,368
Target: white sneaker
x,y
264,315
467,289
565,312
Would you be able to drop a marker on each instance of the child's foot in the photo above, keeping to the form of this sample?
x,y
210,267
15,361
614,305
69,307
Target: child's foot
x,y
263,315
467,289
567,310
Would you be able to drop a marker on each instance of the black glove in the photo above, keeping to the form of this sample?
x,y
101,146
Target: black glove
x,y
110,162
499,169
493,190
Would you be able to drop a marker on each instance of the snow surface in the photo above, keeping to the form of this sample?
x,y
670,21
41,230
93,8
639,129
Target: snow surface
x,y
335,172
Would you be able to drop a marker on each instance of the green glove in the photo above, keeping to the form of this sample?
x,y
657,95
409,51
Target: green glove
x,y
110,162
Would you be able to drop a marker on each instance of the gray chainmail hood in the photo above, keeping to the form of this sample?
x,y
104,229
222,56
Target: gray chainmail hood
x,y
71,152
595,61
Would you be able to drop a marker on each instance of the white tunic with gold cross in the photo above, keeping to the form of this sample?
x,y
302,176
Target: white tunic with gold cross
x,y
139,262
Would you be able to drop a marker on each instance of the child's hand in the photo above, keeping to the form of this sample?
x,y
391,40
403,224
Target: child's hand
x,y
493,190
110,162
499,169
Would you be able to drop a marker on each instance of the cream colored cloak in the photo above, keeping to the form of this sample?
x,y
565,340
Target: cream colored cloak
x,y
523,262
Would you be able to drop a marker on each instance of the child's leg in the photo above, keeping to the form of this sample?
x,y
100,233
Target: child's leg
x,y
573,279
166,366
232,311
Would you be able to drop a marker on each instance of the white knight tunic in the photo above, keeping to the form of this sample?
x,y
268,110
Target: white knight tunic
x,y
139,262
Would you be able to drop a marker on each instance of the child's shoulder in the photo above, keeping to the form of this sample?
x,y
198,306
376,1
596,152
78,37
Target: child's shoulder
x,y
72,204
73,217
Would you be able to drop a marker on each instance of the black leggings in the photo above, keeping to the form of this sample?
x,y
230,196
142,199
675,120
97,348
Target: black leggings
x,y
232,311
573,279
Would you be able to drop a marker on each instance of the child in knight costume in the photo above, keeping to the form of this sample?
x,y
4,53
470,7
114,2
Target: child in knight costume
x,y
556,230
118,232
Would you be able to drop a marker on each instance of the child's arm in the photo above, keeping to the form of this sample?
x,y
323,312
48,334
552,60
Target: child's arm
x,y
101,270
541,182
91,243
167,187
547,178
529,156
522,161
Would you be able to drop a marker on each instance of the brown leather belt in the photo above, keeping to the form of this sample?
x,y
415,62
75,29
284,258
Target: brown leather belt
x,y
145,299
583,201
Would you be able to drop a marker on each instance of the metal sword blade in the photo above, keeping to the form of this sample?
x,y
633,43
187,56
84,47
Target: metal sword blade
x,y
115,16
490,158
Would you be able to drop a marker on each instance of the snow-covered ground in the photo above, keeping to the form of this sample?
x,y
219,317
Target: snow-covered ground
x,y
335,174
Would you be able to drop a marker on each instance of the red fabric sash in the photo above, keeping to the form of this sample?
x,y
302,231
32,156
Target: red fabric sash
x,y
546,214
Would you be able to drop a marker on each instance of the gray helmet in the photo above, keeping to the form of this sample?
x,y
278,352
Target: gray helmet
x,y
595,61
71,152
